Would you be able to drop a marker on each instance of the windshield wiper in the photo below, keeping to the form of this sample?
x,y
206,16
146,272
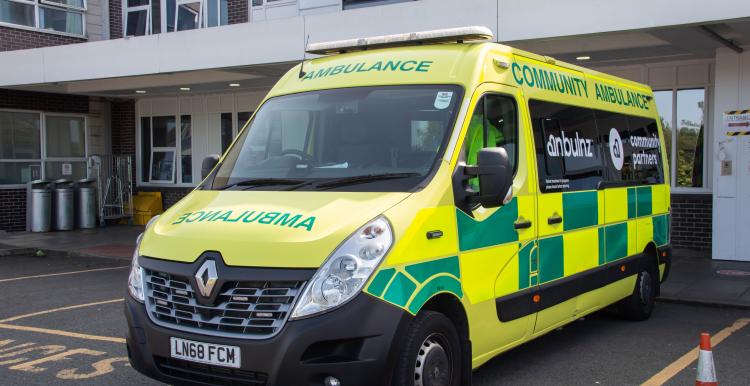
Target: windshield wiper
x,y
354,180
263,182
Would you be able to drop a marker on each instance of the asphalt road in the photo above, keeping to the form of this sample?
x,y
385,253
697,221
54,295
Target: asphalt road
x,y
45,342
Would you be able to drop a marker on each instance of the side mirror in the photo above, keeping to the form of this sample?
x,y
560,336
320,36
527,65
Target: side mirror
x,y
495,176
208,164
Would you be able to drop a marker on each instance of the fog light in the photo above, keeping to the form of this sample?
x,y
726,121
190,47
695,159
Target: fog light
x,y
331,381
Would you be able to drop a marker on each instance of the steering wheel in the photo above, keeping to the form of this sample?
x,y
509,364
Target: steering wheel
x,y
298,154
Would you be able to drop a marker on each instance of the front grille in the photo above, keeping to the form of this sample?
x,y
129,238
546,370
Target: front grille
x,y
209,374
244,309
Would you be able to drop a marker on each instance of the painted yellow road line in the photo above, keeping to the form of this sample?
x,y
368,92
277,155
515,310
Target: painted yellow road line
x,y
691,356
61,274
62,333
59,309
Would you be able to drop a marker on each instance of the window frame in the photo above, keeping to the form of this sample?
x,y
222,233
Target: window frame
x,y
38,5
60,5
202,6
206,18
202,16
43,144
463,149
176,181
126,10
672,157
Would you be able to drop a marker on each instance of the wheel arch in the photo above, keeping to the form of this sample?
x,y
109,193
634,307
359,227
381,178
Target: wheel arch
x,y
450,305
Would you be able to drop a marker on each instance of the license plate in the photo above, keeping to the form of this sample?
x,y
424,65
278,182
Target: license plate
x,y
209,353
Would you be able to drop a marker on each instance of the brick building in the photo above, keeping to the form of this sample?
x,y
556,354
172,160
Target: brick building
x,y
170,82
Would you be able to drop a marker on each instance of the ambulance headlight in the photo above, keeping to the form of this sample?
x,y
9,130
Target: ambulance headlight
x,y
347,270
135,279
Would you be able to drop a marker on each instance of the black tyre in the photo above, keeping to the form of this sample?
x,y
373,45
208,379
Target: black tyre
x,y
640,304
431,354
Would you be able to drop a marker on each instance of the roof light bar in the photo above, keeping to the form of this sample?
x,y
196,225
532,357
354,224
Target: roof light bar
x,y
448,35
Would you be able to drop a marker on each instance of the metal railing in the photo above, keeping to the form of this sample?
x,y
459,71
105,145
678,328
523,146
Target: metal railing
x,y
114,176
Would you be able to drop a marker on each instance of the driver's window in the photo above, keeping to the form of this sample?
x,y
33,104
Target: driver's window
x,y
494,123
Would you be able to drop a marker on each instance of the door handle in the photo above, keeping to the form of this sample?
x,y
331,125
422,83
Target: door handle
x,y
554,219
522,223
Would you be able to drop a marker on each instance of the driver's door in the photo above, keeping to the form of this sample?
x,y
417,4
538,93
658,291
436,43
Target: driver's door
x,y
498,245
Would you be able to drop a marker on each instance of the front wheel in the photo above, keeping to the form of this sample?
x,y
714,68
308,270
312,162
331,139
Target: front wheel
x,y
431,355
640,304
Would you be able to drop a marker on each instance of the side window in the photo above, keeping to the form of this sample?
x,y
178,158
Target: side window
x,y
644,144
632,147
494,123
615,133
568,147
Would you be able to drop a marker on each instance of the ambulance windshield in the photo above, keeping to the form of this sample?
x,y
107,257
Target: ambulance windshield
x,y
384,138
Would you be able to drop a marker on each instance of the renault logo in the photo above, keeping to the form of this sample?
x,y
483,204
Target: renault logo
x,y
206,278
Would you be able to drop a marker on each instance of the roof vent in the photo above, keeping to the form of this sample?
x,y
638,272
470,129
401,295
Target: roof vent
x,y
438,36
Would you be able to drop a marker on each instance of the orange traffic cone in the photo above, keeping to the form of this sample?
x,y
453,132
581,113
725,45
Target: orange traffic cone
x,y
706,370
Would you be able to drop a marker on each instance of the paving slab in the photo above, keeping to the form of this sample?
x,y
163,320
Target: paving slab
x,y
696,278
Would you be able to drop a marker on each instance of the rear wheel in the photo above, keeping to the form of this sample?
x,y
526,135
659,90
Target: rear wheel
x,y
431,355
640,304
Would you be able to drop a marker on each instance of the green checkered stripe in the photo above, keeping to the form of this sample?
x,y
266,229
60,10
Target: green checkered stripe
x,y
542,261
497,229
580,210
411,286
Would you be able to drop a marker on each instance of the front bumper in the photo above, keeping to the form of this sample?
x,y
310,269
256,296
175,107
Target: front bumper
x,y
356,343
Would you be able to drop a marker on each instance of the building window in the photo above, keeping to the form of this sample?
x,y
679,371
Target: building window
x,y
242,118
186,149
144,17
41,146
682,114
229,128
137,15
62,16
160,149
227,133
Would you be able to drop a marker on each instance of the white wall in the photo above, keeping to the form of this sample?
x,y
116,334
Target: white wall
x,y
731,193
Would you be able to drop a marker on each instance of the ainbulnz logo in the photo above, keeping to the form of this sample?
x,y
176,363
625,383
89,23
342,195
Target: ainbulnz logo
x,y
569,146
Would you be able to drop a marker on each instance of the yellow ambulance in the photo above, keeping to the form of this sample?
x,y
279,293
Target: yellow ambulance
x,y
399,210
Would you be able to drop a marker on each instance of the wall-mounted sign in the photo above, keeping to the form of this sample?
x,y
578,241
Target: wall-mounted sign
x,y
67,169
737,122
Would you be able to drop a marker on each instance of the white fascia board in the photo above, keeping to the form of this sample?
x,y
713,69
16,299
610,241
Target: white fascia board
x,y
210,48
101,59
21,67
541,19
234,45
